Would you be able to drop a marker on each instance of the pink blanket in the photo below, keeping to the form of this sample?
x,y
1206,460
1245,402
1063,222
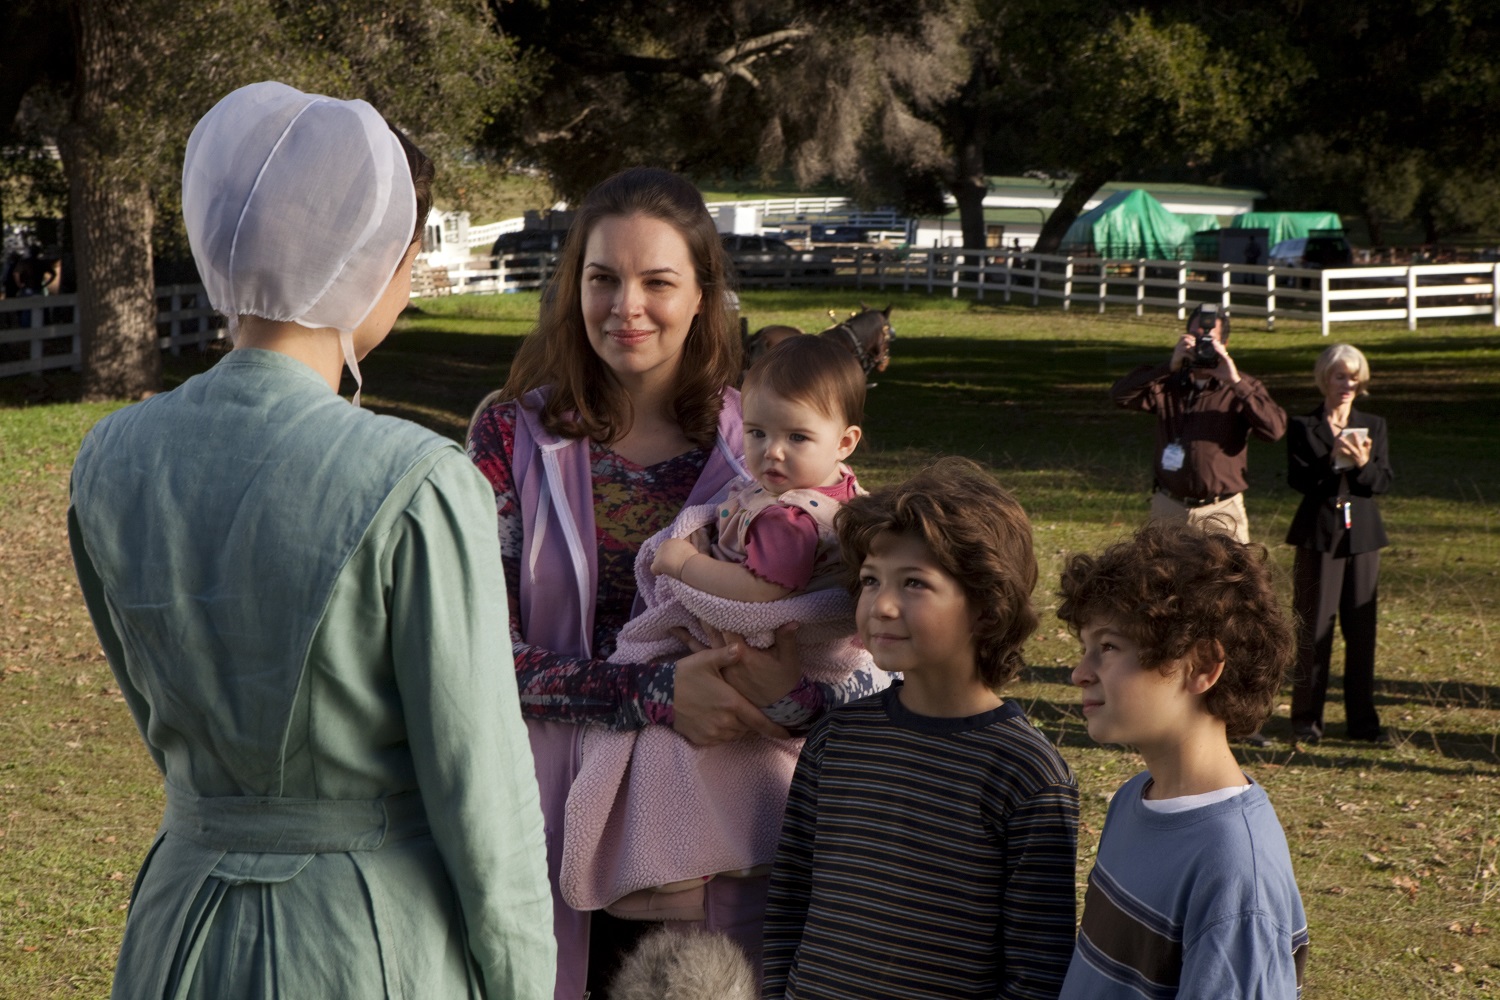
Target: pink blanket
x,y
647,807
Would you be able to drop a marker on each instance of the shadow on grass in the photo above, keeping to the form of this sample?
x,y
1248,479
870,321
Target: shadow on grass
x,y
1011,397
1438,694
1064,726
1063,722
436,379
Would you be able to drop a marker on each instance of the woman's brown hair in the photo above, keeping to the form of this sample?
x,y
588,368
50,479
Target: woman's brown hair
x,y
586,401
977,532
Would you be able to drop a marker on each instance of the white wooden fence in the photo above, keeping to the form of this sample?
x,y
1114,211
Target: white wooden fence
x,y
1339,295
40,333
1325,297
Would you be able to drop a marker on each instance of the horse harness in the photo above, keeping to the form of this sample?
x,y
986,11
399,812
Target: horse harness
x,y
872,358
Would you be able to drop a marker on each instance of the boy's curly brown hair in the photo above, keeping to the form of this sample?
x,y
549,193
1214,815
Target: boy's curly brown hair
x,y
1180,591
977,533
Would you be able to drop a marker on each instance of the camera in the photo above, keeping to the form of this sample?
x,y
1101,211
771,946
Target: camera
x,y
1201,324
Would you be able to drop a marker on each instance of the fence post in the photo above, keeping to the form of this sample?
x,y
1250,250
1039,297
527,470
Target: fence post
x,y
984,268
1271,297
1224,285
1103,284
1323,303
1140,286
1495,294
1181,290
1068,284
1036,280
1411,298
1010,267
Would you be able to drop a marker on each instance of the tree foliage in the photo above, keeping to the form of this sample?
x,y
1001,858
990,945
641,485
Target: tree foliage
x,y
1388,110
736,88
1180,87
1400,121
896,103
125,80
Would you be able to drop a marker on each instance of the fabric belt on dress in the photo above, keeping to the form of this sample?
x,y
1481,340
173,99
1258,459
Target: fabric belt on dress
x,y
293,826
1196,501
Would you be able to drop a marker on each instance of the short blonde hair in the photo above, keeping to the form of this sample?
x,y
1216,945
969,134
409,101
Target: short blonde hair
x,y
1342,356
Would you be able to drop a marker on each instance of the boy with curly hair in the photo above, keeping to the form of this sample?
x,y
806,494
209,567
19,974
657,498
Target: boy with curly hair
x,y
1185,646
928,847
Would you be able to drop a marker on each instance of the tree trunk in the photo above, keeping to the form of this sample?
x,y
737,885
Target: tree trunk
x,y
112,214
970,182
1071,206
969,192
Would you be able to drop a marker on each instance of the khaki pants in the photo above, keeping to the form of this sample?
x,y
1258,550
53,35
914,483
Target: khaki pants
x,y
1227,516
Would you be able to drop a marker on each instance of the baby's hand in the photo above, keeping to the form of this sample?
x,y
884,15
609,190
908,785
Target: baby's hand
x,y
671,556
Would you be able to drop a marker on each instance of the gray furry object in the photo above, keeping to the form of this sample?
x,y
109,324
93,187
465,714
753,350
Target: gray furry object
x,y
690,965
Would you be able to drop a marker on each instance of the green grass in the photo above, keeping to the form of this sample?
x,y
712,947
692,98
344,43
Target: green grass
x,y
1397,851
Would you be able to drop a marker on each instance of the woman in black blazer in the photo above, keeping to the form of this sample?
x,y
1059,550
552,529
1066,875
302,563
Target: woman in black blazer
x,y
1338,459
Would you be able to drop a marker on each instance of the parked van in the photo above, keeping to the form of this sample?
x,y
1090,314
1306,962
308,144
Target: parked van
x,y
529,254
1316,251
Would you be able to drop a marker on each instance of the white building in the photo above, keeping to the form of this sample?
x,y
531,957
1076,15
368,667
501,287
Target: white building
x,y
1016,208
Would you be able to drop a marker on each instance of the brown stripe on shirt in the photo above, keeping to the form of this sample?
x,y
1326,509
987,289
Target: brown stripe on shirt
x,y
1122,936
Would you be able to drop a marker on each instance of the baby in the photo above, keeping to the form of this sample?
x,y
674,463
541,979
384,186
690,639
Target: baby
x,y
803,402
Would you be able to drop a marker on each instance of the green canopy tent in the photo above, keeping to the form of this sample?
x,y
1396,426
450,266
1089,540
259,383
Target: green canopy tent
x,y
1200,222
1130,224
1205,227
1288,225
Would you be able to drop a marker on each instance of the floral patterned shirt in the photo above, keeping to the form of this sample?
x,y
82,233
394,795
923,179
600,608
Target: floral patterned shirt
x,y
631,503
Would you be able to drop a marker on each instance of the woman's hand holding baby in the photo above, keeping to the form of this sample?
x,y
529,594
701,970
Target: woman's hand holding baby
x,y
707,709
763,676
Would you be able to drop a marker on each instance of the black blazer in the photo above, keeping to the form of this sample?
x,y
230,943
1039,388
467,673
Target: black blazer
x,y
1317,525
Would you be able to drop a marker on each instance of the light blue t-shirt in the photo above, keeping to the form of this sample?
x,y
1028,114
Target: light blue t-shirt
x,y
1200,903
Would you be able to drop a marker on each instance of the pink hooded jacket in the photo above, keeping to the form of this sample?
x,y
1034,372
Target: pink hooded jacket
x,y
559,584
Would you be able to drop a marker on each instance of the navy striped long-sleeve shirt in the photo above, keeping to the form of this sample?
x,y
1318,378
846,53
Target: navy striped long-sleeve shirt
x,y
923,858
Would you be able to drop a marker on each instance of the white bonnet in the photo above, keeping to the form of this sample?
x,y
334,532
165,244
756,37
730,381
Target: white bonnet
x,y
298,207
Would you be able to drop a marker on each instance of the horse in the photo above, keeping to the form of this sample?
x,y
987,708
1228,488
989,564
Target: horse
x,y
867,333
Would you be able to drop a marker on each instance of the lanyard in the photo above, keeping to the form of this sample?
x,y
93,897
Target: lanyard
x,y
1178,409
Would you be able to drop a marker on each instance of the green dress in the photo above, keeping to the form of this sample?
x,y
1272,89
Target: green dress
x,y
304,606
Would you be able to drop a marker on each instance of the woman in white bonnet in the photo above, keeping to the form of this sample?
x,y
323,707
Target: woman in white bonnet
x,y
303,604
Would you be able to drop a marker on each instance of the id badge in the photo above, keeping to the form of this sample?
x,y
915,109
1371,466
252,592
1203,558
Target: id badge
x,y
1171,457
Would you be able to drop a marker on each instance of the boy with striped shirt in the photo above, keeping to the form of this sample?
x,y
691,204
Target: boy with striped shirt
x,y
1185,647
928,849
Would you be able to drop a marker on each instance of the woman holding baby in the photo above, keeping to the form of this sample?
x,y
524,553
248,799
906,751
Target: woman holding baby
x,y
619,412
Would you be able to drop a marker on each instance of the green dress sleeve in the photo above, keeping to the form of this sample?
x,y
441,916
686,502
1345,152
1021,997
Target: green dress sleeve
x,y
451,654
109,638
